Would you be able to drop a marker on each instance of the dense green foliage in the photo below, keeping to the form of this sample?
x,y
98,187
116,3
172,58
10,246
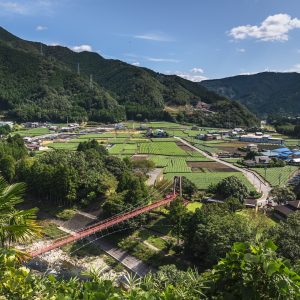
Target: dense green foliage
x,y
247,272
230,187
81,177
263,93
12,150
253,272
286,236
5,130
282,194
210,232
35,86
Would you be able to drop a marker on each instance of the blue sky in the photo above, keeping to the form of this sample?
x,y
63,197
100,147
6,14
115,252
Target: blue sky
x,y
195,39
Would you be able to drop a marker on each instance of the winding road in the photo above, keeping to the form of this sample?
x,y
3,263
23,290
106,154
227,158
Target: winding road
x,y
257,181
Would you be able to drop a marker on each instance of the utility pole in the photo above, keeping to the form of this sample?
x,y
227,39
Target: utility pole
x,y
41,49
78,69
174,185
180,186
91,81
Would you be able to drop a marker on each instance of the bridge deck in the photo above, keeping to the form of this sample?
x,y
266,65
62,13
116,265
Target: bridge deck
x,y
102,225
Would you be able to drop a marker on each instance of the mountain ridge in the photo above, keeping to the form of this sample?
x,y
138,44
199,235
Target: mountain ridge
x,y
133,92
263,93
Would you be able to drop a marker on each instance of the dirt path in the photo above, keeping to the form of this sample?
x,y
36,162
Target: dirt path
x,y
258,182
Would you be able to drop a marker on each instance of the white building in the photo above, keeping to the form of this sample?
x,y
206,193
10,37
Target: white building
x,y
4,123
267,139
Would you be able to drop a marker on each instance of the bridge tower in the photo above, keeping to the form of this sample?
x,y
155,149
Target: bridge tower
x,y
177,185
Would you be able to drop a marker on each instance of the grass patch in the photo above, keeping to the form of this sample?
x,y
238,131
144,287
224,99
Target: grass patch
x,y
82,249
66,214
51,230
114,264
193,206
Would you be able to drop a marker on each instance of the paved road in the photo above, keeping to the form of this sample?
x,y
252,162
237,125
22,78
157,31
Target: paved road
x,y
259,183
130,262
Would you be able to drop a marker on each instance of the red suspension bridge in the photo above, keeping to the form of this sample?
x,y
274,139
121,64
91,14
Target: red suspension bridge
x,y
104,224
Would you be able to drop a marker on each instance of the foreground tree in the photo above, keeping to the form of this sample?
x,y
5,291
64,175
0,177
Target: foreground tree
x,y
234,204
287,236
282,194
176,216
231,187
253,272
210,232
15,225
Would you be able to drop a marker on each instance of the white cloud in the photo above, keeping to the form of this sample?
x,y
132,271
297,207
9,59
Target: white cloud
x,y
197,70
136,63
188,76
27,7
82,48
273,28
13,7
153,37
41,28
298,51
241,50
295,68
158,59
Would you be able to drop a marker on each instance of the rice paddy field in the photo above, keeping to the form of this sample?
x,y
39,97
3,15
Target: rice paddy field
x,y
276,176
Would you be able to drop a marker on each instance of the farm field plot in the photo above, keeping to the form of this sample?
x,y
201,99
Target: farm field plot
x,y
161,148
63,146
232,159
91,136
123,149
276,176
210,166
115,135
206,148
180,133
155,125
171,164
33,131
291,142
177,165
166,139
203,180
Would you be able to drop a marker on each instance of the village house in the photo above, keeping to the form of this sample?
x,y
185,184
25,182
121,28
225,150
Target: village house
x,y
209,136
283,211
252,148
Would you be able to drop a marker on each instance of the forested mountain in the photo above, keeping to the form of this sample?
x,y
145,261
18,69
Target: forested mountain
x,y
263,93
40,82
